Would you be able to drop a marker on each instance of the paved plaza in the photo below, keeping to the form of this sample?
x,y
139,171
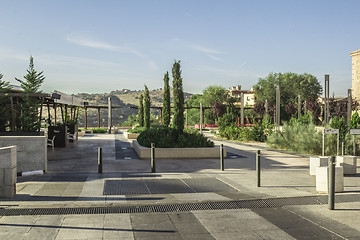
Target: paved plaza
x,y
184,199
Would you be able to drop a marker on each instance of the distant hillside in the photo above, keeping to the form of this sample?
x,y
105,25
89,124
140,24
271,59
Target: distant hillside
x,y
123,98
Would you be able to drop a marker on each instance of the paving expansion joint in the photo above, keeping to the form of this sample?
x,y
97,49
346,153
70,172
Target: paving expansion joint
x,y
183,207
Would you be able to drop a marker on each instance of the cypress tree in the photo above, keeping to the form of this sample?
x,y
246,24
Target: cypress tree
x,y
166,101
141,111
178,96
147,108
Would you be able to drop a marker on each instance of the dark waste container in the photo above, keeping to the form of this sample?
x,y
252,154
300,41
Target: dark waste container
x,y
60,133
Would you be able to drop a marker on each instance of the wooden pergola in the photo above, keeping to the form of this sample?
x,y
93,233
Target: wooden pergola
x,y
98,112
14,98
54,100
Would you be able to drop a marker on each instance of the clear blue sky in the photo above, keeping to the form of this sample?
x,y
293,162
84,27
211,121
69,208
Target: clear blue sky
x,y
99,46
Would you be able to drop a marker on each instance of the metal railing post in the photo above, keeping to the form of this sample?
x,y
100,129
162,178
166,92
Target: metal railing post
x,y
258,168
100,162
222,157
153,170
331,183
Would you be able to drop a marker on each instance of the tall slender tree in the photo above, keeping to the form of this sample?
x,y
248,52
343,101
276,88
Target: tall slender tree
x,y
4,112
29,117
141,111
178,98
166,101
146,108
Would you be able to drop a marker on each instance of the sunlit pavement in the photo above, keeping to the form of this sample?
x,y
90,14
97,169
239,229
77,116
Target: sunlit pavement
x,y
184,199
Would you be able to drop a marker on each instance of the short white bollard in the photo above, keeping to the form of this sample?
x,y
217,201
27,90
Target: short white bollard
x,y
316,162
322,179
349,163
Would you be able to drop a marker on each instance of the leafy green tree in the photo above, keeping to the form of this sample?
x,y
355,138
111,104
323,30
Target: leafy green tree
x,y
291,85
146,108
214,94
228,119
141,111
166,101
178,98
29,118
193,113
214,97
218,109
314,107
355,120
4,113
339,123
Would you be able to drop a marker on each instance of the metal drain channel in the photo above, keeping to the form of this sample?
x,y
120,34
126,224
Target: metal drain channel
x,y
183,207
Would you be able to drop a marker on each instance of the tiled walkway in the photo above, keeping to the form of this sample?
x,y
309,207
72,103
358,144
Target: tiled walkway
x,y
73,183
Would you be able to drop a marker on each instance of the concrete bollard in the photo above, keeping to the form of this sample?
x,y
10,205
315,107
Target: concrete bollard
x,y
258,168
100,162
153,170
222,157
331,196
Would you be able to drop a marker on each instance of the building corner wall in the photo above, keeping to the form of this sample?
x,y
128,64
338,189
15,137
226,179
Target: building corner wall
x,y
355,74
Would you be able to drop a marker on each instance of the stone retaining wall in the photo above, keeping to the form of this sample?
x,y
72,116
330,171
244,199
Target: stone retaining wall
x,y
131,135
174,153
31,151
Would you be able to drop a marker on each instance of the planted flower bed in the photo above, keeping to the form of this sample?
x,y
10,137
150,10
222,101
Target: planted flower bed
x,y
178,153
170,144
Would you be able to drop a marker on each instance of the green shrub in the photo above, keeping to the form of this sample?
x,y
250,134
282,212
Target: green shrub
x,y
355,120
298,137
228,119
166,137
339,123
100,130
304,119
344,136
131,120
257,132
137,130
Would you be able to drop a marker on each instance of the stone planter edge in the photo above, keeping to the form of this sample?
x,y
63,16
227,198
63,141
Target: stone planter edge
x,y
178,153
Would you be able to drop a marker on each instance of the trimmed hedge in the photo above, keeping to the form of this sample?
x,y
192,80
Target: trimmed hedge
x,y
137,130
166,137
100,130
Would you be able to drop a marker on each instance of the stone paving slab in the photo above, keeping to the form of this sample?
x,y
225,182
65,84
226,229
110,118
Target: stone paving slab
x,y
73,181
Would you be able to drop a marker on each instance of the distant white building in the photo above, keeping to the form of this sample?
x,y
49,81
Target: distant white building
x,y
249,95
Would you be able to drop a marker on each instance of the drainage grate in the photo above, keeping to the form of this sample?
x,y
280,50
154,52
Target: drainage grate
x,y
280,202
165,186
348,198
184,207
125,187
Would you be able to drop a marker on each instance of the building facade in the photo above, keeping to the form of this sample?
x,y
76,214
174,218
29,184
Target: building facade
x,y
249,96
356,74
